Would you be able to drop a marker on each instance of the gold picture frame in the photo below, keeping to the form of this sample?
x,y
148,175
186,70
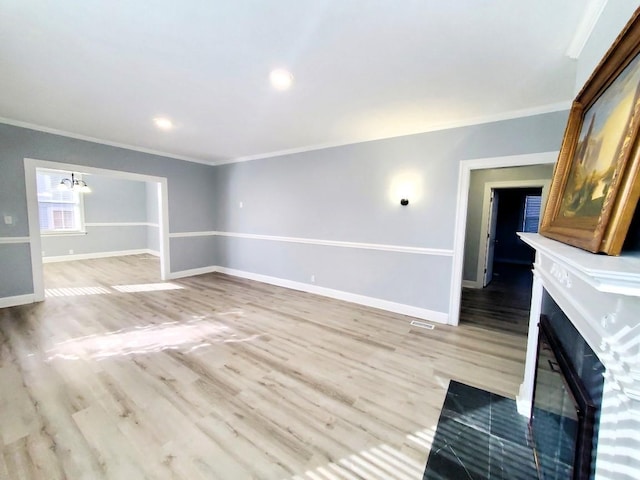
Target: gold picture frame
x,y
596,180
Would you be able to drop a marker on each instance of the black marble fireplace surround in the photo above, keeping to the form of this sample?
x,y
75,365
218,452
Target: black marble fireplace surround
x,y
567,399
480,436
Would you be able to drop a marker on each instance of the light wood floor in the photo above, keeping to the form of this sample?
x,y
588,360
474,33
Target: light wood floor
x,y
118,375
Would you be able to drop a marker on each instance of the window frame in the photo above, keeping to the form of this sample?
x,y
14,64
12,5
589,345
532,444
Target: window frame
x,y
524,213
78,207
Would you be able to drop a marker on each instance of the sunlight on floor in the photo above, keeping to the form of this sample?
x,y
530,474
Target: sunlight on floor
x,y
423,438
185,337
77,291
378,463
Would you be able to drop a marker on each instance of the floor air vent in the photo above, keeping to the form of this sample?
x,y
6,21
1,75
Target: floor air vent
x,y
428,326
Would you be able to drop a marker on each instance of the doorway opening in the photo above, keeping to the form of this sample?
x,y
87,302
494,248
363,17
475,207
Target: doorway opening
x,y
461,255
511,210
125,216
502,298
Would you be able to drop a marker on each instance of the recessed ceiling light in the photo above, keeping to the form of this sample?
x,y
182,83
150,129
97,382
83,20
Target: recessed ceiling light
x,y
281,79
163,123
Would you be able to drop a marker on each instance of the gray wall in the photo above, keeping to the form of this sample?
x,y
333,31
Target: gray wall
x,y
115,200
96,240
476,197
15,279
190,189
614,17
112,200
342,194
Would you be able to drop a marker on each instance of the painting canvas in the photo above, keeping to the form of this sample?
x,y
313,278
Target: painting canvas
x,y
596,182
600,144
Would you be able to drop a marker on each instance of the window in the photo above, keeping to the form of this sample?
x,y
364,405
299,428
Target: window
x,y
59,210
532,204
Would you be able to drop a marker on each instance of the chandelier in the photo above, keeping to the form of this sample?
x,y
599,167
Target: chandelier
x,y
74,184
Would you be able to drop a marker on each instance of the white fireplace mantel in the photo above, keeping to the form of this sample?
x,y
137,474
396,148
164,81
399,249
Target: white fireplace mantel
x,y
601,297
604,273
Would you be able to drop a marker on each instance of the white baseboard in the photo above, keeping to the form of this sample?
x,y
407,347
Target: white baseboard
x,y
192,272
471,284
17,300
89,256
401,308
155,253
523,404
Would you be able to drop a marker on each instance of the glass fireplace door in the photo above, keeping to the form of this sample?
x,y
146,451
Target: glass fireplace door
x,y
562,417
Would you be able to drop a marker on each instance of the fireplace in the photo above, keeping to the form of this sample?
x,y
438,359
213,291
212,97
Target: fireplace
x,y
591,304
565,409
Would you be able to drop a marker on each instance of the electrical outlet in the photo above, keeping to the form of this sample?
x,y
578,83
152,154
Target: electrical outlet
x,y
8,219
70,252
241,204
313,279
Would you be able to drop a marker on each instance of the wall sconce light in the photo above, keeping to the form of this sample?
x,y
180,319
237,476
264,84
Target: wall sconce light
x,y
405,186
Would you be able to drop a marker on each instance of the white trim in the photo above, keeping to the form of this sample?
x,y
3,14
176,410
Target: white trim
x,y
89,256
401,308
464,175
617,275
37,274
17,300
525,392
7,240
86,138
163,219
192,272
543,183
62,233
120,224
585,28
207,233
470,284
30,166
527,112
315,241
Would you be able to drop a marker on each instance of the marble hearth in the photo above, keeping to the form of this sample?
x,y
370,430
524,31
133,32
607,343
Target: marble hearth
x,y
601,297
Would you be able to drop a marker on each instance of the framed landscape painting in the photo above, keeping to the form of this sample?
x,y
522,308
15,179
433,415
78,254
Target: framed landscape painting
x,y
596,181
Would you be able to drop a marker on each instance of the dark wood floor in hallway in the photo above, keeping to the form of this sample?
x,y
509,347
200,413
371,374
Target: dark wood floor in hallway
x,y
118,375
504,304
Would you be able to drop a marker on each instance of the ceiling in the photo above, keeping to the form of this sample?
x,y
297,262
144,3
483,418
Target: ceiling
x,y
363,69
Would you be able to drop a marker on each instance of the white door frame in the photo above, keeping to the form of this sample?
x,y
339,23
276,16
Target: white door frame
x,y
491,230
30,166
464,175
543,183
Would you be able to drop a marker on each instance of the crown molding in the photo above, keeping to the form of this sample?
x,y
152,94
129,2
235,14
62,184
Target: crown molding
x,y
86,138
585,28
510,115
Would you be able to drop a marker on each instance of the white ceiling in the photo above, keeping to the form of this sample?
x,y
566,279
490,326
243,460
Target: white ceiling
x,y
364,69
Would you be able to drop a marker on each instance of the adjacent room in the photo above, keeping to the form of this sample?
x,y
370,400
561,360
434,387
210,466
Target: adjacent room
x,y
299,241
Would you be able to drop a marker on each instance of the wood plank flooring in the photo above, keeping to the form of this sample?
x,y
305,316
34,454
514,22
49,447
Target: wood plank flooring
x,y
118,375
504,304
